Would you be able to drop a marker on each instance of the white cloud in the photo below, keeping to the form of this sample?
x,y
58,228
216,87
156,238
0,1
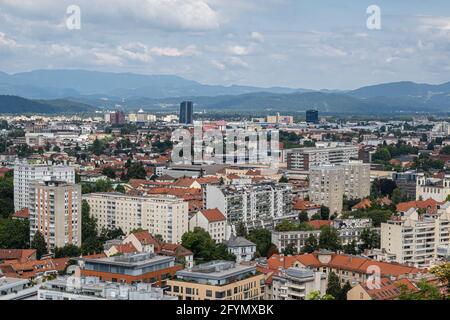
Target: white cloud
x,y
184,15
239,50
257,37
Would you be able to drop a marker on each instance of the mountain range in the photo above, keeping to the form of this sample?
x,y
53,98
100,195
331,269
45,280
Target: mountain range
x,y
55,91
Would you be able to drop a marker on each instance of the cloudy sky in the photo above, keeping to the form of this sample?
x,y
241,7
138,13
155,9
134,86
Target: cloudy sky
x,y
296,43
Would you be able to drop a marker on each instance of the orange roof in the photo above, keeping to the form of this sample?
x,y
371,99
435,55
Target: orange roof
x,y
30,269
363,204
213,215
145,238
386,291
342,262
20,255
303,205
317,224
22,214
126,248
426,204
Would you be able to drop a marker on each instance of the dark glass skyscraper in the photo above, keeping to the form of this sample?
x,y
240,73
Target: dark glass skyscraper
x,y
187,112
312,116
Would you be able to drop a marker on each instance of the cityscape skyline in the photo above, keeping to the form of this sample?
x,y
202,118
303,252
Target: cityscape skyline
x,y
313,46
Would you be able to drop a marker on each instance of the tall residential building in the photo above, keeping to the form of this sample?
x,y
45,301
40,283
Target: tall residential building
x,y
415,238
257,206
116,117
55,211
218,280
303,159
312,116
328,184
159,214
25,173
187,112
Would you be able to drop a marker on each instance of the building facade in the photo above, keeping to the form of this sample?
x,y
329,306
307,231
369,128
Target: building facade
x,y
159,214
303,159
329,183
255,205
131,268
218,280
187,112
415,238
297,284
211,220
25,173
55,211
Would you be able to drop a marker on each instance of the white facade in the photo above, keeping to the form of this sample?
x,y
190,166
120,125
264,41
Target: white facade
x,y
328,184
415,239
163,215
25,173
255,205
297,284
214,223
432,188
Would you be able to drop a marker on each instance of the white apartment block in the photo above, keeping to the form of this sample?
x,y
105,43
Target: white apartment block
x,y
349,230
329,183
434,188
25,173
255,205
304,158
55,211
296,284
158,214
213,221
414,238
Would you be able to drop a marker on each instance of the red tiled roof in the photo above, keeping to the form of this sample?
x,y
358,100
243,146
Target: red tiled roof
x,y
317,224
213,215
303,205
342,262
17,254
426,204
22,214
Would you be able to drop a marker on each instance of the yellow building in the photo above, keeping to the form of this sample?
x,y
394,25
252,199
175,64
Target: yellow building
x,y
218,280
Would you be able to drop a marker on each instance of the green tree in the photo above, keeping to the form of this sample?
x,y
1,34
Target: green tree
x,y
329,239
311,245
442,271
324,213
334,285
263,240
290,249
159,237
426,291
241,230
98,147
39,244
343,293
14,234
120,188
69,250
315,295
283,179
203,246
370,239
109,172
136,171
89,233
351,248
303,217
